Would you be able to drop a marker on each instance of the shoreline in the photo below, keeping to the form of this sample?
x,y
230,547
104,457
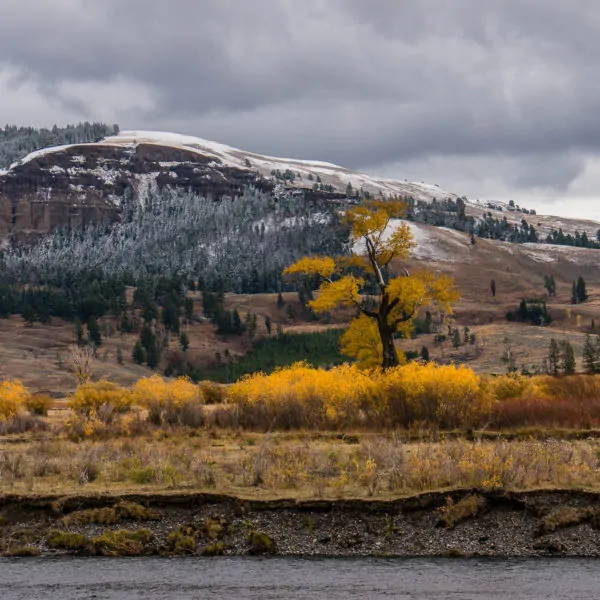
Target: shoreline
x,y
459,523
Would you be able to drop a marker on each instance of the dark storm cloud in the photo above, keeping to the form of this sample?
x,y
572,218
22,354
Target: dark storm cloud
x,y
363,83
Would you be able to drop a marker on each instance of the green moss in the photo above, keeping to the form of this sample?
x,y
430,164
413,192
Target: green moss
x,y
182,540
453,553
122,511
214,527
122,542
65,540
216,549
260,543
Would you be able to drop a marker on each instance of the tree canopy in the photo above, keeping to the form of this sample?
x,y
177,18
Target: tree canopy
x,y
375,281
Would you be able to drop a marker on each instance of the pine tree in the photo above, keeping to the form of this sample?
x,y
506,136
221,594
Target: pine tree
x,y
170,316
425,354
493,287
28,314
280,301
291,313
567,358
581,290
589,355
93,330
153,357
78,330
553,357
456,338
184,341
237,325
574,294
268,324
139,354
188,307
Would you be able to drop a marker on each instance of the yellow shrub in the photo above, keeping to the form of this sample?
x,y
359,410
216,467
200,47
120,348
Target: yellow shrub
x,y
101,398
13,394
39,404
213,393
504,387
300,396
447,395
177,401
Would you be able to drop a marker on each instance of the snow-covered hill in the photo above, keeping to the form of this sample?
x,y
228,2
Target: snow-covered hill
x,y
305,172
77,183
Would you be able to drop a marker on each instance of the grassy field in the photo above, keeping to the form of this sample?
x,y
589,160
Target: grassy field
x,y
299,465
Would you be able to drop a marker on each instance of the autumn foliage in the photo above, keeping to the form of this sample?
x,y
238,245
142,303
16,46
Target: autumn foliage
x,y
13,395
176,402
300,396
388,305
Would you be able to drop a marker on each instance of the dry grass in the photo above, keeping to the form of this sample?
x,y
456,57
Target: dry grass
x,y
300,465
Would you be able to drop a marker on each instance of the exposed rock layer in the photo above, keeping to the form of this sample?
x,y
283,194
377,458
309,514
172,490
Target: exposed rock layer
x,y
502,524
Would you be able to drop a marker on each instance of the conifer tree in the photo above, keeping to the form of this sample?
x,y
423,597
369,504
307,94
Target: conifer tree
x,y
94,332
590,356
280,301
581,290
78,330
184,341
138,355
553,357
567,358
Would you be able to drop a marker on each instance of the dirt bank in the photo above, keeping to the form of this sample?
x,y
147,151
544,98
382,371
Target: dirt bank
x,y
459,523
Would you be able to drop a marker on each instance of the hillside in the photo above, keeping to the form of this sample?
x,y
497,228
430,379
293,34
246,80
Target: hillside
x,y
160,188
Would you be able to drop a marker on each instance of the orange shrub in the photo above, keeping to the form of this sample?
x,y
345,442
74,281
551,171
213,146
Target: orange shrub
x,y
13,395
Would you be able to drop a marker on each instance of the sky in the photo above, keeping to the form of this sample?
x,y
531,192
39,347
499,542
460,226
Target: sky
x,y
493,99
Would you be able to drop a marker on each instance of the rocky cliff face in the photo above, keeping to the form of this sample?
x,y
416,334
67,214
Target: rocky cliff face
x,y
76,185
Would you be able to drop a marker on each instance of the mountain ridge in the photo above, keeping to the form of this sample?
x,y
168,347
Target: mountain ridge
x,y
75,184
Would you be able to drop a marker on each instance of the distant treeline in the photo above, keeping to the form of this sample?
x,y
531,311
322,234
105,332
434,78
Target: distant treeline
x,y
17,142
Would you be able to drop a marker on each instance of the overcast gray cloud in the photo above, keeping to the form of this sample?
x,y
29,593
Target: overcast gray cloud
x,y
492,99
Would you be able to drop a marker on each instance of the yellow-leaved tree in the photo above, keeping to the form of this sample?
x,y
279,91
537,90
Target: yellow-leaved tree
x,y
387,305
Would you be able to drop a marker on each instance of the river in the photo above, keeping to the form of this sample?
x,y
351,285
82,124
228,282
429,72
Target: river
x,y
283,578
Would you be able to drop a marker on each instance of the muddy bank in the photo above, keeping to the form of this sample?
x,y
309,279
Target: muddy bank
x,y
460,523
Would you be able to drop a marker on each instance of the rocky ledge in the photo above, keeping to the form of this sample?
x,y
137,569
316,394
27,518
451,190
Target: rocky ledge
x,y
458,523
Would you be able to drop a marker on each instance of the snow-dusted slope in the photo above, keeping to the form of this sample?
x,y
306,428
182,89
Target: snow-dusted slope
x,y
142,157
306,171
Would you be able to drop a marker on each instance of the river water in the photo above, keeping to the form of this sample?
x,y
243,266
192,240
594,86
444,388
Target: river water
x,y
283,578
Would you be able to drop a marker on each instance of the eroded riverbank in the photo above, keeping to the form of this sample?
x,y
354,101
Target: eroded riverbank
x,y
459,523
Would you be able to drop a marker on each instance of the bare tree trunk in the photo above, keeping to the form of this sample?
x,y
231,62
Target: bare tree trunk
x,y
390,356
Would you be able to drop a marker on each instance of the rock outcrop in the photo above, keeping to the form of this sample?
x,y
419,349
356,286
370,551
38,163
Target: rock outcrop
x,y
76,185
